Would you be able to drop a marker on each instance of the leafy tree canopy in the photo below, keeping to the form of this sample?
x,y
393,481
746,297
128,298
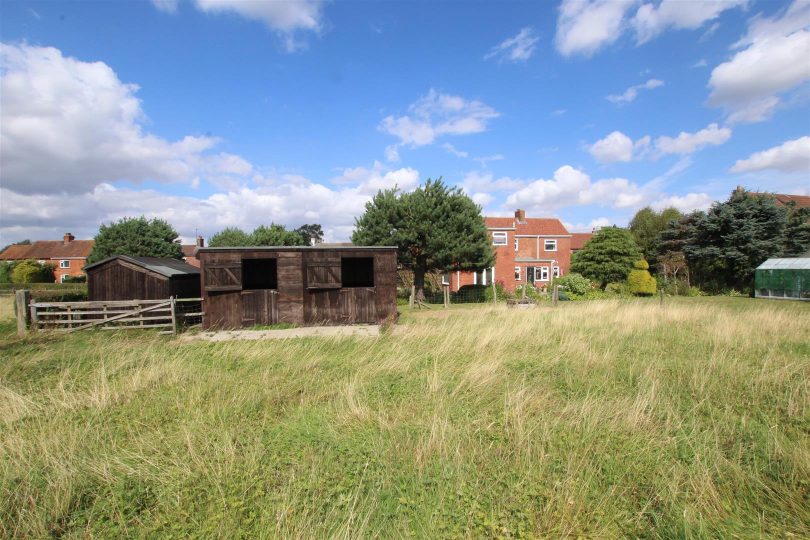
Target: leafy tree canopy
x,y
607,257
435,227
136,237
726,244
312,232
274,235
31,271
647,224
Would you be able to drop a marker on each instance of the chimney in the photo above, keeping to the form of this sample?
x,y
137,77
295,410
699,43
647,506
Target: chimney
x,y
520,216
68,238
200,241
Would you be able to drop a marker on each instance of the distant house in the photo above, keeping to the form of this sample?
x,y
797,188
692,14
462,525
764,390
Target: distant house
x,y
578,241
68,255
527,250
783,199
190,252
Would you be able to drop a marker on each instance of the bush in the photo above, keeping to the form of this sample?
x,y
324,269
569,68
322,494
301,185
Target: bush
x,y
470,294
618,289
640,281
30,271
531,292
502,294
5,271
575,284
75,279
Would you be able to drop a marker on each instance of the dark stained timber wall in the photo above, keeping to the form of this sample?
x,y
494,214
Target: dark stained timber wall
x,y
313,286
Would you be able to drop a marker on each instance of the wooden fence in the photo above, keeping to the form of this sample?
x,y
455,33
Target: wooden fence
x,y
167,315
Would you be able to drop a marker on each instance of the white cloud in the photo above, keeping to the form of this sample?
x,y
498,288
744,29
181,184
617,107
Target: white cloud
x,y
594,224
518,48
684,203
68,125
790,156
485,182
392,153
482,199
631,93
651,20
583,27
687,143
436,115
570,186
618,147
483,160
167,6
455,151
290,199
773,60
282,16
700,63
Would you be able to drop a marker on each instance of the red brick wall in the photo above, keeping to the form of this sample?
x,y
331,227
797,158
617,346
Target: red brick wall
x,y
75,269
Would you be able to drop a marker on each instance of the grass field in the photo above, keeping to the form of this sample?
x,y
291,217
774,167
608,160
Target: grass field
x,y
599,419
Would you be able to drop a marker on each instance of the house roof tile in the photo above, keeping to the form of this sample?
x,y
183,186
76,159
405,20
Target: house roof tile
x,y
48,249
578,240
538,226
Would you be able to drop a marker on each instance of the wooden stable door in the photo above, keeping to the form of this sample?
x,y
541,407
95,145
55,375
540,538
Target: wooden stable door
x,y
259,307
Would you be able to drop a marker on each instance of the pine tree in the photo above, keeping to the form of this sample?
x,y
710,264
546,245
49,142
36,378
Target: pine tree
x,y
608,257
434,227
136,237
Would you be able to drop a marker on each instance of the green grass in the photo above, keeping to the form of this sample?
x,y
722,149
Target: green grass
x,y
594,419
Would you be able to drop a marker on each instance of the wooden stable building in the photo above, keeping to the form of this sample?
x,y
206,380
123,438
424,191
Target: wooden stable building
x,y
317,285
141,278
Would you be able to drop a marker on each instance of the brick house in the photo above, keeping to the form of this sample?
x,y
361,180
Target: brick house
x,y
68,255
190,252
527,250
578,240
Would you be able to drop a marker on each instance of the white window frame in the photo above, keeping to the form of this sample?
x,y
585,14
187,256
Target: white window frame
x,y
517,273
62,277
517,243
555,271
64,263
445,279
500,238
543,273
546,242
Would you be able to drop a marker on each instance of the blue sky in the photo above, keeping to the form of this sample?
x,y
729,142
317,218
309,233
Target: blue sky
x,y
215,113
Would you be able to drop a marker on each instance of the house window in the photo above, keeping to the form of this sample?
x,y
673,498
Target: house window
x,y
499,239
542,273
531,273
517,244
357,271
64,264
555,271
517,273
550,245
259,274
445,279
63,277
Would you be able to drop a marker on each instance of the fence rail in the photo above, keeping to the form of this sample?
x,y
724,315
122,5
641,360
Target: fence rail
x,y
167,314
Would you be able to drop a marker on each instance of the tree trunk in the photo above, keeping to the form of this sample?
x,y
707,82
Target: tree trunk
x,y
419,271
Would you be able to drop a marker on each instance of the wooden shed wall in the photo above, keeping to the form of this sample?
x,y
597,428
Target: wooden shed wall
x,y
118,280
293,302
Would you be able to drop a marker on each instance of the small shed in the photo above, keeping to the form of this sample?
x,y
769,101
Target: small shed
x,y
141,278
787,279
303,285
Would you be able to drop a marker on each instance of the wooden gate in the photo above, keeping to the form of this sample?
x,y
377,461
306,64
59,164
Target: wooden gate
x,y
259,306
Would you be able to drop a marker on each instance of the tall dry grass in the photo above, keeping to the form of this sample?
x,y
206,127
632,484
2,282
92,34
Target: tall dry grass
x,y
599,419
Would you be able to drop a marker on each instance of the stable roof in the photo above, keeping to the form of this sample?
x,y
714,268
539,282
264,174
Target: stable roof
x,y
160,265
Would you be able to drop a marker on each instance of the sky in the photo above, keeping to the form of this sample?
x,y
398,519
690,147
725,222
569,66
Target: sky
x,y
237,113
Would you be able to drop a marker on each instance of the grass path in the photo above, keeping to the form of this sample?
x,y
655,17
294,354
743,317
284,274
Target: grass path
x,y
600,419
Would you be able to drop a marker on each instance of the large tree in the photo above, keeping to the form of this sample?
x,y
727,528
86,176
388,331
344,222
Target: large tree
x,y
313,232
274,235
797,231
435,227
733,238
647,224
608,257
136,237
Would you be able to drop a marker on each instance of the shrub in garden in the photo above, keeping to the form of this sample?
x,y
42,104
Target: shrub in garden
x,y
574,283
30,271
640,281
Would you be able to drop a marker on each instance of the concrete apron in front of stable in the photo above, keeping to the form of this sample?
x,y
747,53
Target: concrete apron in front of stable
x,y
370,330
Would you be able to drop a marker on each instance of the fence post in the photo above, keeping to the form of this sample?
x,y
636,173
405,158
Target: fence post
x,y
413,296
174,315
446,291
555,295
22,299
494,292
661,296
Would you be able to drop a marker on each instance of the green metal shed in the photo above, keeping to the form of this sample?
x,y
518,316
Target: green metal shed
x,y
787,279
